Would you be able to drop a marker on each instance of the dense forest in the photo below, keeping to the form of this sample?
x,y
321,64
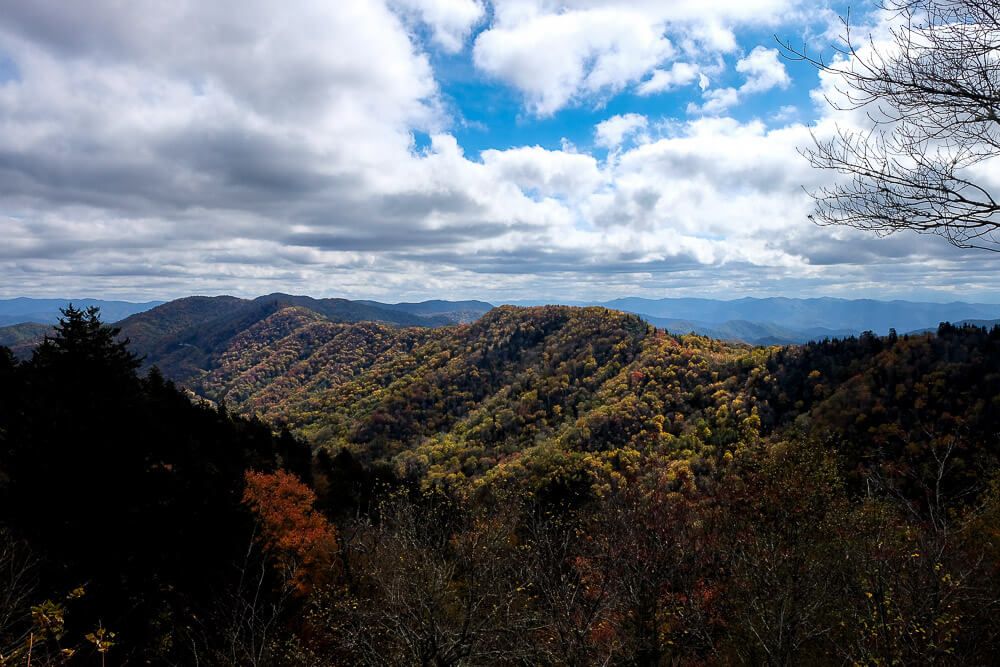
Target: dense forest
x,y
542,486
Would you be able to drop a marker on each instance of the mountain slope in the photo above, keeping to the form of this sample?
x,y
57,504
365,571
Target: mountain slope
x,y
189,337
525,385
22,338
459,400
184,337
384,390
295,352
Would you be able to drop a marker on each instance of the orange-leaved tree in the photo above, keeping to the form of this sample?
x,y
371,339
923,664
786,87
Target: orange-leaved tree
x,y
299,538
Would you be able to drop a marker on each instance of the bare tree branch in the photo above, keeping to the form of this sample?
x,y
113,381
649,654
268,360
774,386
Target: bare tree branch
x,y
932,95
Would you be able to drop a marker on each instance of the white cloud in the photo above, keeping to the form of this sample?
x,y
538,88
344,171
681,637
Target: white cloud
x,y
785,114
554,58
451,21
679,74
611,133
549,173
558,54
763,70
711,172
716,100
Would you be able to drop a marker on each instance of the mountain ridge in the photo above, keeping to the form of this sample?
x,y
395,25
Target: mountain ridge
x,y
208,325
158,332
477,400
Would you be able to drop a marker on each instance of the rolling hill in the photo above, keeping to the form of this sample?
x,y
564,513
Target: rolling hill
x,y
188,337
767,321
184,336
470,400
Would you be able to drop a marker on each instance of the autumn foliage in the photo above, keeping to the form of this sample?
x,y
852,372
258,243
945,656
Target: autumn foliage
x,y
546,486
300,539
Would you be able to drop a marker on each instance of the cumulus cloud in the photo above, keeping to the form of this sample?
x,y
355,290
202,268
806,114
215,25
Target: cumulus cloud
x,y
785,113
762,70
716,100
451,21
679,74
612,132
544,172
554,58
580,49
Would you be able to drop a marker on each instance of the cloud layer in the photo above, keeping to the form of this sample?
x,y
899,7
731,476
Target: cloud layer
x,y
159,150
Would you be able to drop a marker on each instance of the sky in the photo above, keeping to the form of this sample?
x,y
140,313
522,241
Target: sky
x,y
415,149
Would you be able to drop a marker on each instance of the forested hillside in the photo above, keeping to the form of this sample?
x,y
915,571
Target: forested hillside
x,y
21,339
453,403
187,337
547,485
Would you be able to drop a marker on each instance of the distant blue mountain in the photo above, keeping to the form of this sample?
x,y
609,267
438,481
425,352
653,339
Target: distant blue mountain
x,y
46,311
756,333
825,313
781,320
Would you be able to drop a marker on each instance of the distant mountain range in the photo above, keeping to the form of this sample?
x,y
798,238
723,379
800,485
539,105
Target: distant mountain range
x,y
453,311
755,333
435,312
186,333
781,321
804,314
46,311
184,336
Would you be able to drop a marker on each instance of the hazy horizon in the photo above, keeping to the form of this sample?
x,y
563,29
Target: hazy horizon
x,y
498,302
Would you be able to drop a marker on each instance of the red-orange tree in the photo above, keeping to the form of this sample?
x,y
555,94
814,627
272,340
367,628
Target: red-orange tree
x,y
300,539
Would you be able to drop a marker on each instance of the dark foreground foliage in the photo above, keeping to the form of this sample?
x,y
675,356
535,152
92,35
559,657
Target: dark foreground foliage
x,y
544,487
120,495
